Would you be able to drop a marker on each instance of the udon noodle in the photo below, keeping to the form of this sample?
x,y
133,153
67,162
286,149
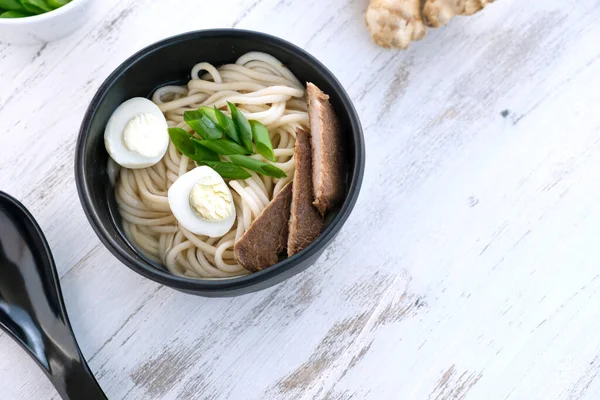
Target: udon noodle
x,y
264,90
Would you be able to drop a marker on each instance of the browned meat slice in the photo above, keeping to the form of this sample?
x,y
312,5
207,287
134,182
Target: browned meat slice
x,y
306,222
328,153
266,238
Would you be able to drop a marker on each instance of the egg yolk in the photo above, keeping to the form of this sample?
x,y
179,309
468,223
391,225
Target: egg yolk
x,y
144,134
211,200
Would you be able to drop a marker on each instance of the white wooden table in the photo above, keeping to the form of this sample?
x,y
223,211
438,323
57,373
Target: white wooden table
x,y
470,268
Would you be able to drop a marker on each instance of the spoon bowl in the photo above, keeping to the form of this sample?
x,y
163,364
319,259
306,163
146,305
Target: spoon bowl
x,y
32,310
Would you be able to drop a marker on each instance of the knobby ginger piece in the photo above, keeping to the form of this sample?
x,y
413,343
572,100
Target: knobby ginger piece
x,y
437,13
395,23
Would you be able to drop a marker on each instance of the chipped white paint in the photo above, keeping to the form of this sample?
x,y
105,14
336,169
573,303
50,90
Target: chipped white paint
x,y
469,270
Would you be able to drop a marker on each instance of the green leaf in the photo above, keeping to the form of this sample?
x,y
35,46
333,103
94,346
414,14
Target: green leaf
x,y
257,166
242,125
223,147
227,125
190,147
14,14
260,133
227,170
11,5
203,125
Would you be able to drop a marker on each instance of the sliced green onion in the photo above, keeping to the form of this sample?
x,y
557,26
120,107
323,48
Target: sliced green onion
x,y
223,147
32,10
28,8
210,113
262,140
257,166
186,144
227,170
57,3
242,125
14,14
182,140
36,6
227,125
203,125
11,5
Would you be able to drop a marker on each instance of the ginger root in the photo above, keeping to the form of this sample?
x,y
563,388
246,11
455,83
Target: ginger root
x,y
396,23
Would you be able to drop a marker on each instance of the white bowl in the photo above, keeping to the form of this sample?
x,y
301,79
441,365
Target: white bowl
x,y
46,27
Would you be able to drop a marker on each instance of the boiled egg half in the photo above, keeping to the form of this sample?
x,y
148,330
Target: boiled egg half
x,y
202,202
136,135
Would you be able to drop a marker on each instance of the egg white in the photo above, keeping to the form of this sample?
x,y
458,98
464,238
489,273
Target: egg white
x,y
113,133
179,201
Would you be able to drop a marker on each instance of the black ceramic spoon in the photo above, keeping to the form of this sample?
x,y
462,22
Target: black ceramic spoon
x,y
31,305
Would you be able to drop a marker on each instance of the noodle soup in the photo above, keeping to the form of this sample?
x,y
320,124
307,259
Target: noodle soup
x,y
259,88
170,62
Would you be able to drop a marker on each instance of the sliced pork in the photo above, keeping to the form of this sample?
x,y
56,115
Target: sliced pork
x,y
327,151
306,222
260,246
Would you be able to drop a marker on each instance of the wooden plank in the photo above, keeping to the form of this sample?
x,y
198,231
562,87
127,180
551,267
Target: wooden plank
x,y
468,270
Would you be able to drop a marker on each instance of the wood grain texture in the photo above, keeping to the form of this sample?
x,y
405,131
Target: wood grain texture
x,y
469,269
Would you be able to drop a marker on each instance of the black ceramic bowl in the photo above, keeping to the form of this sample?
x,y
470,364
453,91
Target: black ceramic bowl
x,y
170,61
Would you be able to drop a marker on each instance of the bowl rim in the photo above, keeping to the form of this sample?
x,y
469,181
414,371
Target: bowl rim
x,y
230,284
41,17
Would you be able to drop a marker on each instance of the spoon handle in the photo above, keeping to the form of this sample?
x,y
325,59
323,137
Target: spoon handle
x,y
77,383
